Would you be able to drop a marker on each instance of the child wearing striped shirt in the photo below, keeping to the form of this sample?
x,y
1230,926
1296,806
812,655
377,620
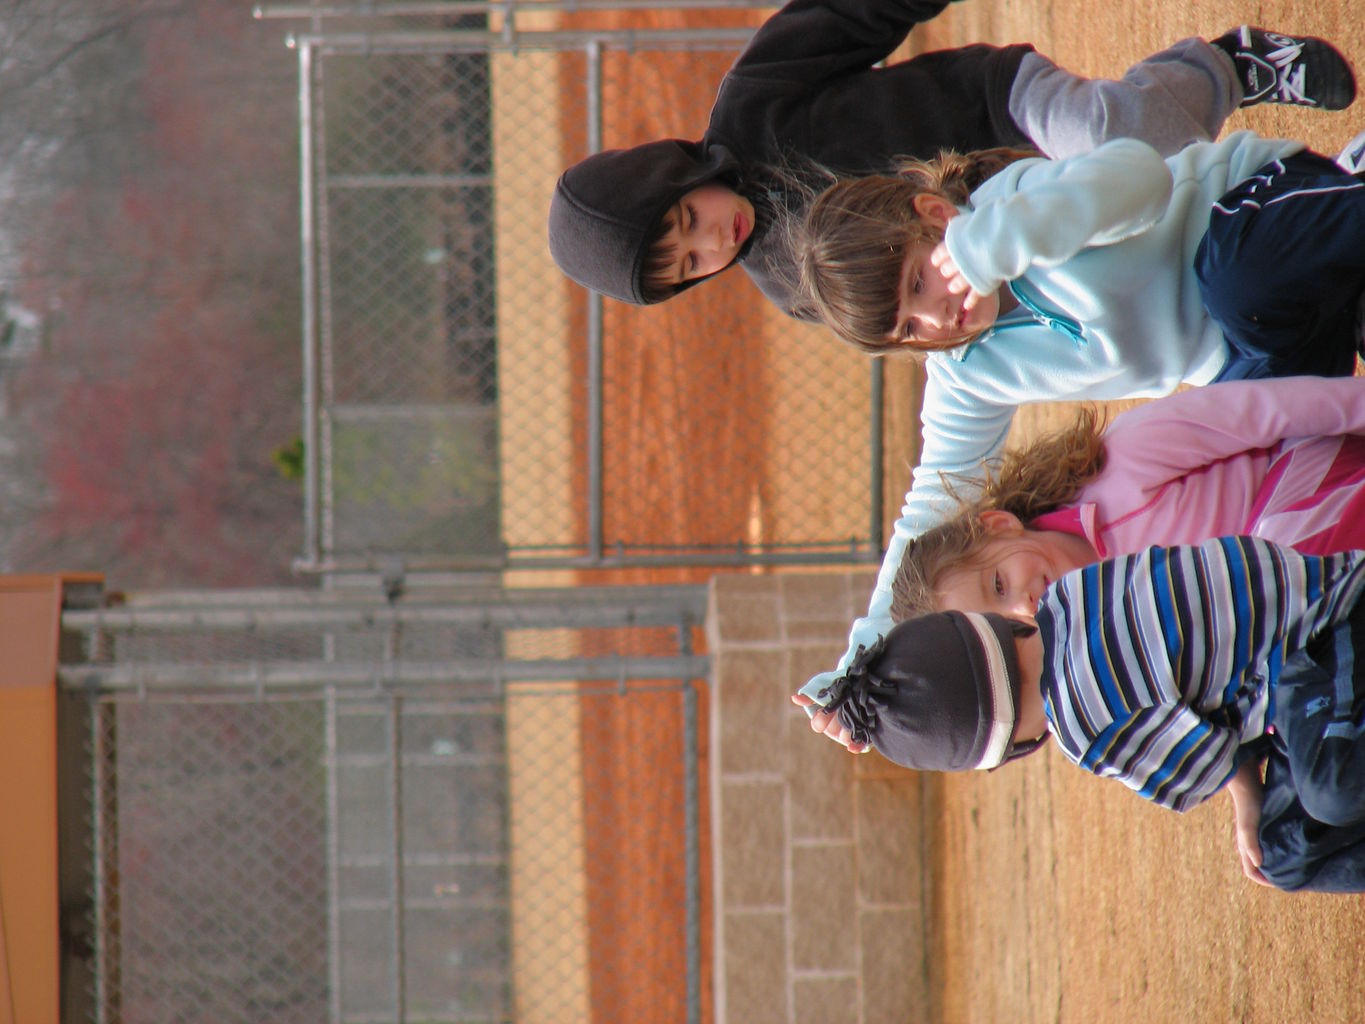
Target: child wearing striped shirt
x,y
1176,670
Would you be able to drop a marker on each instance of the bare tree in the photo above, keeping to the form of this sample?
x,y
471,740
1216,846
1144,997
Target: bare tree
x,y
150,224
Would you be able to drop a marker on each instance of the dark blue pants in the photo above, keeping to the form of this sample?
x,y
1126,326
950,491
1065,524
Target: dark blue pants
x,y
1313,811
1282,267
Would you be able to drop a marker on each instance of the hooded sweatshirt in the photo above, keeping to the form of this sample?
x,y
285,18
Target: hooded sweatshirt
x,y
803,90
1282,459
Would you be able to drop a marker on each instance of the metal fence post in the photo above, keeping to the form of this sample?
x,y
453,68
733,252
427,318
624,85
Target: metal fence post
x,y
594,339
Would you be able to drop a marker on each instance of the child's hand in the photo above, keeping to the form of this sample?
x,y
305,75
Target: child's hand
x,y
1246,790
942,260
829,724
1249,843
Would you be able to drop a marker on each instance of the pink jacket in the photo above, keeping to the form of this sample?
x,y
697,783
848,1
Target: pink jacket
x,y
1282,459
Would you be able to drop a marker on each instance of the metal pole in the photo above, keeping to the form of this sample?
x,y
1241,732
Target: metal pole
x,y
256,677
311,454
691,837
596,490
464,592
362,181
507,8
854,551
98,826
326,360
876,471
395,711
583,615
583,608
476,41
333,857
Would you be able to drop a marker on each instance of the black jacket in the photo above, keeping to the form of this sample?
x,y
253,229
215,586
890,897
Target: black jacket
x,y
803,89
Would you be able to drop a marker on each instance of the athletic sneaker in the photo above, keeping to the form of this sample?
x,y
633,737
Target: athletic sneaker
x,y
1300,70
1352,158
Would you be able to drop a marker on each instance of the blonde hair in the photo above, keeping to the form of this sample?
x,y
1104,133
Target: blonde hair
x,y
1028,482
850,245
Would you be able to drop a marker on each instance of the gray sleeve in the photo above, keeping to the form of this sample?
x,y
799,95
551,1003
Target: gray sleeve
x,y
1181,95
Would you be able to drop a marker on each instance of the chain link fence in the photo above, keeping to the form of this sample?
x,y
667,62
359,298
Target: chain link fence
x,y
468,407
302,806
470,805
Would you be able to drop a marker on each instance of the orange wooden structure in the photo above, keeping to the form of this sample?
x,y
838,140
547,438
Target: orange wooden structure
x,y
30,954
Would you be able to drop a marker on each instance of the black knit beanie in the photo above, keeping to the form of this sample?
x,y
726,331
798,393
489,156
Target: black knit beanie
x,y
939,692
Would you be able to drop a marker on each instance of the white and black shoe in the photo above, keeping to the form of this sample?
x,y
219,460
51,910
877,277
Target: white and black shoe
x,y
1304,71
1352,158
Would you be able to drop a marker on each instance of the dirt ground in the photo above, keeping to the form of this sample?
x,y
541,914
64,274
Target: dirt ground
x,y
1061,897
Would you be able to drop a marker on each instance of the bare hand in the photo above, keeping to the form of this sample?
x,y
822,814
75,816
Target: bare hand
x,y
1246,791
828,723
1249,847
957,284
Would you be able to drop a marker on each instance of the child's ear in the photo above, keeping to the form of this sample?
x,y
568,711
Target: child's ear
x,y
935,210
997,520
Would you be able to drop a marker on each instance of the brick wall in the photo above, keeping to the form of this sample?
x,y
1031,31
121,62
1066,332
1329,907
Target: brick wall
x,y
820,882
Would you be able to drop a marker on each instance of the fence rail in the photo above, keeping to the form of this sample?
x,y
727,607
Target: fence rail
x,y
465,407
305,806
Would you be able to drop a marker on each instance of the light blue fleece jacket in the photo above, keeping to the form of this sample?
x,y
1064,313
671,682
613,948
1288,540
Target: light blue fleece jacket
x,y
1099,249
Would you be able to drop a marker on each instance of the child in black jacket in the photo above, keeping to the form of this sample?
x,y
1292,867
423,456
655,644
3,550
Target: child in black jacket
x,y
644,223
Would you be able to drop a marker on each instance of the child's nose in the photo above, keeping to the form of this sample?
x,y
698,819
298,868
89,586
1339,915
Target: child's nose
x,y
942,315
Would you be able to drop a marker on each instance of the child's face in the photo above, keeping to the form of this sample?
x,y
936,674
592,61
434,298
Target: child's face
x,y
1011,571
928,312
710,226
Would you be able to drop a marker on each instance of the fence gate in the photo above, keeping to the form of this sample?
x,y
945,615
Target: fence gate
x,y
466,407
308,806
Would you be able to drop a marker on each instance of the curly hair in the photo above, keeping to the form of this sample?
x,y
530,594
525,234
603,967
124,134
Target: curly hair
x,y
1027,482
851,243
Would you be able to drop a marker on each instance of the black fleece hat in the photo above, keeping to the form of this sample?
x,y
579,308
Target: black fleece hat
x,y
939,692
605,208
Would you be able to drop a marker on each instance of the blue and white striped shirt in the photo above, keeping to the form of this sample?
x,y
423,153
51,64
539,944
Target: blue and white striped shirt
x,y
1159,666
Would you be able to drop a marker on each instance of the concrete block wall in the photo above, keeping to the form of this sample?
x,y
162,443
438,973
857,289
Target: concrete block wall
x,y
819,854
